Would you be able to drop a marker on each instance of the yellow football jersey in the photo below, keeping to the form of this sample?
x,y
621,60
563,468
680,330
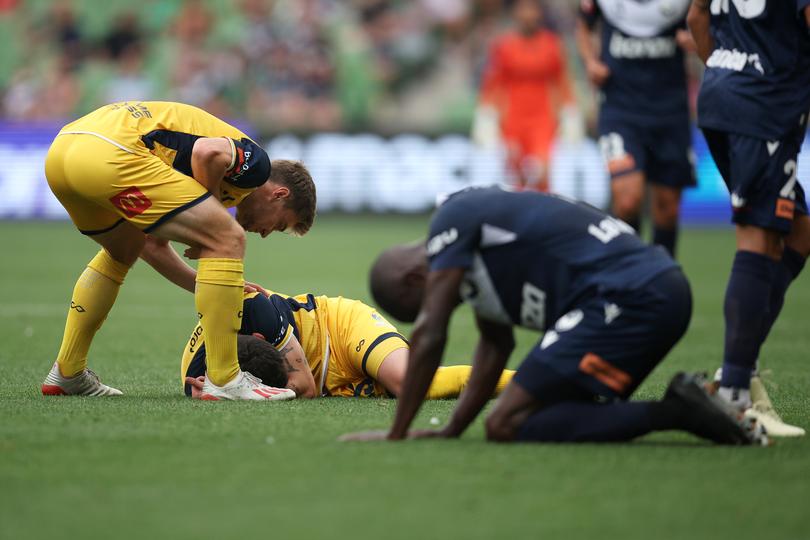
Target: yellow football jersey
x,y
168,131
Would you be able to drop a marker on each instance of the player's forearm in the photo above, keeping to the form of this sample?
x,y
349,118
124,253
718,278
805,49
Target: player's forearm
x,y
168,263
584,41
427,346
699,20
488,364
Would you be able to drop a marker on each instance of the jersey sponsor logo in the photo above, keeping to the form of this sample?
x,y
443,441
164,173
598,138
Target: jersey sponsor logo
x,y
131,201
734,60
441,241
636,48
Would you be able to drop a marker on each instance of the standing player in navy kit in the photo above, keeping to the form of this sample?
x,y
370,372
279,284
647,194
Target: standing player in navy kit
x,y
644,128
753,107
611,309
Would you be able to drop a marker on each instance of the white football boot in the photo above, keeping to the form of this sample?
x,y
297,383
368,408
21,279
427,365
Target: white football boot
x,y
762,410
85,383
244,387
757,405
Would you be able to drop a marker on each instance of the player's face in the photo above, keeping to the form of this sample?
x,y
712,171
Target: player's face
x,y
528,15
265,212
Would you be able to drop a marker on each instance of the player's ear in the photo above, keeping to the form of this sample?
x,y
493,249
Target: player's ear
x,y
280,192
414,278
258,335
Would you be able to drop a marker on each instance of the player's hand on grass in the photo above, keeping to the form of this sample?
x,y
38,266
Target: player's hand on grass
x,y
255,287
429,434
598,72
363,436
196,385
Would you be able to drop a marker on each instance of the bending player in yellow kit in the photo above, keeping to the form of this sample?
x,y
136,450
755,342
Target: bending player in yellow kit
x,y
135,175
328,346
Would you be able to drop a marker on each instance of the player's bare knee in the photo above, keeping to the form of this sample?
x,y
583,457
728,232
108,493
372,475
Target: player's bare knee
x,y
626,206
225,241
499,428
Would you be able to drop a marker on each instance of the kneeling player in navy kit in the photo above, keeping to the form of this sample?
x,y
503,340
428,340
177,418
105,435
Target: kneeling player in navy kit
x,y
610,306
753,108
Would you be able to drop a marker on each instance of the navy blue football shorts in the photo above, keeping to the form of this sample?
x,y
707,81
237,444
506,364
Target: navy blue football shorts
x,y
761,177
661,150
609,343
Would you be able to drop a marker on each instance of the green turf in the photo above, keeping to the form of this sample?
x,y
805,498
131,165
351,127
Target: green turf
x,y
156,465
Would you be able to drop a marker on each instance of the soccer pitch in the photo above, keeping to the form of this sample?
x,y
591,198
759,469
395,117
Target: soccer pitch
x,y
153,464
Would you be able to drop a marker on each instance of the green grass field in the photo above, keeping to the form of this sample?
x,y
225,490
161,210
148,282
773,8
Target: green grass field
x,y
154,464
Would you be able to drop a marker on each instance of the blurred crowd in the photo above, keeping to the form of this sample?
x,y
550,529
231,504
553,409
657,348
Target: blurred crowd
x,y
286,65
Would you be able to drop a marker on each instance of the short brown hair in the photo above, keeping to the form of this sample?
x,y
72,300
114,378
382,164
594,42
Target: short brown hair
x,y
295,176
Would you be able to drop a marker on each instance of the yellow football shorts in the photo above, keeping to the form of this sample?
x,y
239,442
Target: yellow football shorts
x,y
359,340
101,184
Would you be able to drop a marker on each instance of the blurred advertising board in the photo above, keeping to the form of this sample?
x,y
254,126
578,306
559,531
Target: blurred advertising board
x,y
367,172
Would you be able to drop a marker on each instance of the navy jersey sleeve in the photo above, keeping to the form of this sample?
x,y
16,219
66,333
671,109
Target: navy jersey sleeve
x,y
251,165
454,236
589,12
268,317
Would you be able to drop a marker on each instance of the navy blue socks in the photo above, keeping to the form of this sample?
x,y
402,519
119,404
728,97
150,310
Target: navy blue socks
x,y
747,310
666,238
578,421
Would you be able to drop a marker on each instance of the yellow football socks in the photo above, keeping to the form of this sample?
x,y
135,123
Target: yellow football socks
x,y
93,296
449,381
220,286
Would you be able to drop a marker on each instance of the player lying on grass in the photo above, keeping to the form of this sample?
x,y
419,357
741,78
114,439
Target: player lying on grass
x,y
133,168
329,346
610,306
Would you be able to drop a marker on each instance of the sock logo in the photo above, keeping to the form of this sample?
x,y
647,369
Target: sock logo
x,y
131,202
77,307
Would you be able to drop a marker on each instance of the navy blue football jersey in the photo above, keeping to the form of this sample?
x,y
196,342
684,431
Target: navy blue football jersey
x,y
647,70
529,257
757,80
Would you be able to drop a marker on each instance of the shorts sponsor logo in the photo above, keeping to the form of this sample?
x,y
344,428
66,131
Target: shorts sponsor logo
x,y
131,201
597,367
785,208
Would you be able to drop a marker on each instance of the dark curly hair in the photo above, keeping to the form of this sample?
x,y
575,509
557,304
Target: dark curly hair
x,y
262,360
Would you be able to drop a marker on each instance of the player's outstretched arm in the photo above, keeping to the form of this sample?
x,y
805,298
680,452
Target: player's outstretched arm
x,y
160,255
427,345
698,19
494,347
